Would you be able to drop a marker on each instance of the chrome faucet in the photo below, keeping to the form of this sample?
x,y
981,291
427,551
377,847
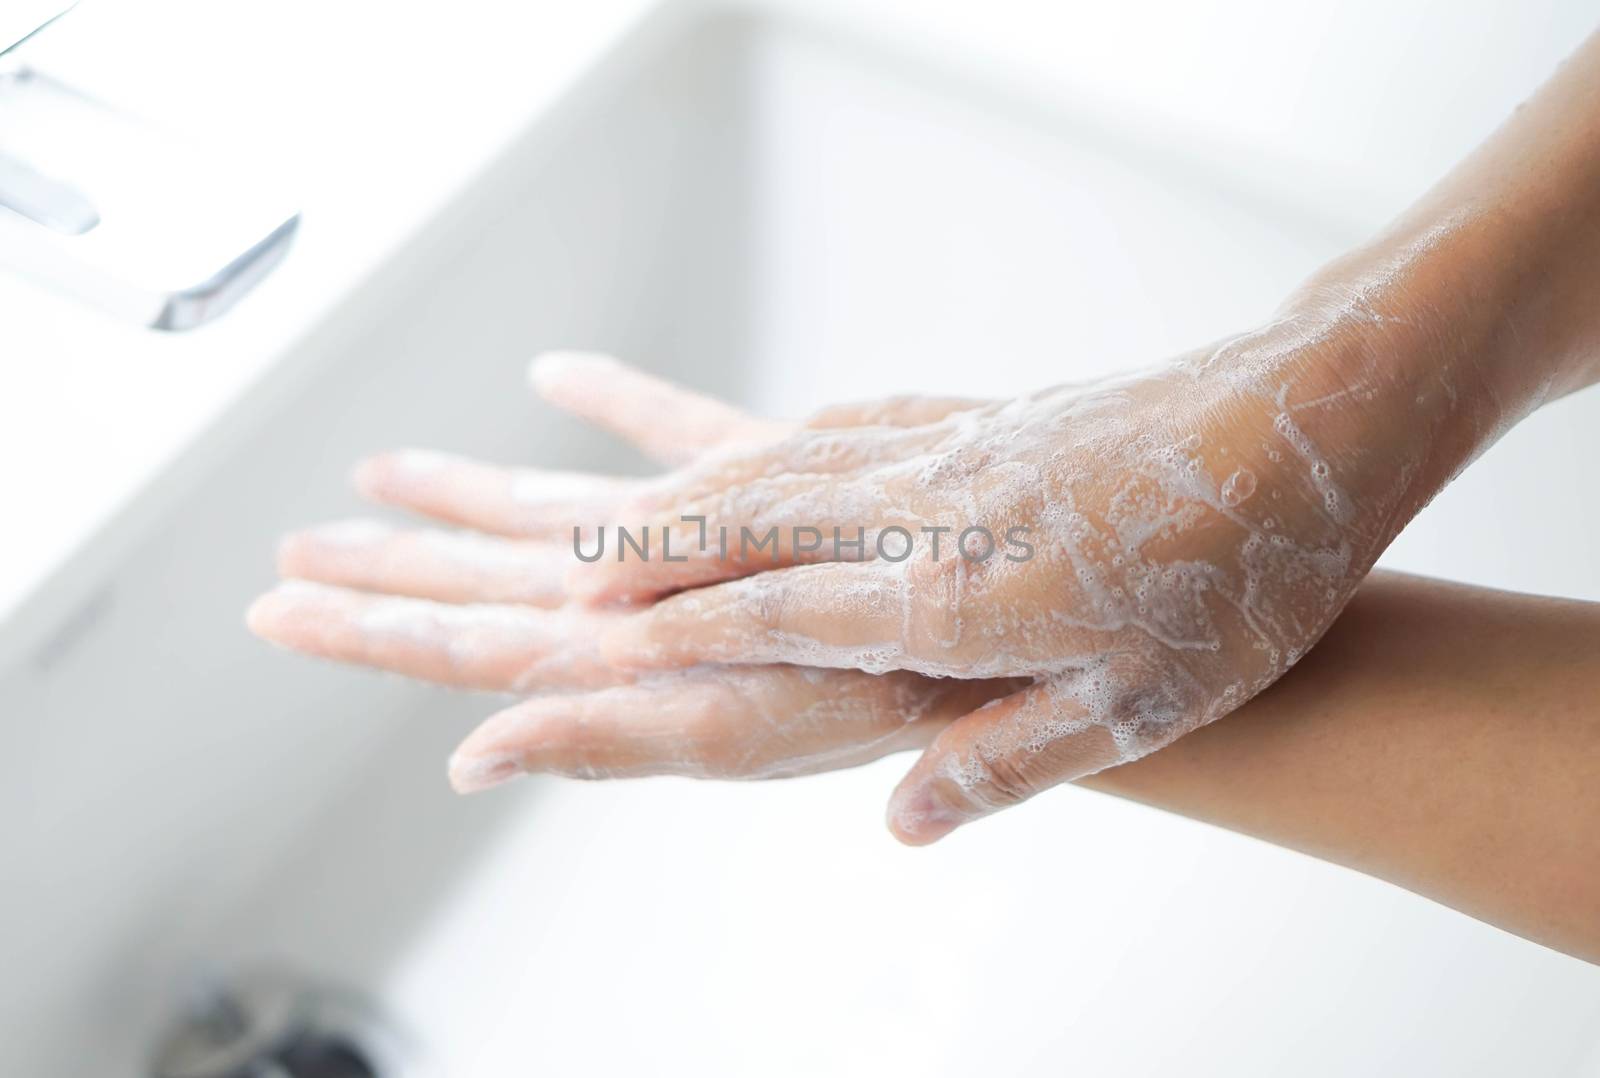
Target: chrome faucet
x,y
121,213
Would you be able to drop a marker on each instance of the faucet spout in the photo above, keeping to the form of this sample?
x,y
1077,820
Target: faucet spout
x,y
124,214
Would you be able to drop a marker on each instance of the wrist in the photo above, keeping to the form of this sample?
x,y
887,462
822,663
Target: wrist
x,y
1431,347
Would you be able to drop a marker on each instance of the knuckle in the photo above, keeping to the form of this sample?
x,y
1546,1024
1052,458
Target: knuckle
x,y
1008,781
706,741
765,602
937,627
589,754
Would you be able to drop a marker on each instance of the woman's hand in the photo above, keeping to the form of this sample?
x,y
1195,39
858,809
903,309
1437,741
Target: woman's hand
x,y
1164,547
484,609
1177,541
1186,539
482,605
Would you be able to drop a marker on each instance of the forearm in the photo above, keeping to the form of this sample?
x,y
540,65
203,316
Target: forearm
x,y
1474,308
1441,737
1514,265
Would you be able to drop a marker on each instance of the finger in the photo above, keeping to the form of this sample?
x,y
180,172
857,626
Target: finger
x,y
450,567
904,411
814,494
518,502
765,722
829,615
479,646
666,421
669,422
806,456
876,616
770,523
1008,750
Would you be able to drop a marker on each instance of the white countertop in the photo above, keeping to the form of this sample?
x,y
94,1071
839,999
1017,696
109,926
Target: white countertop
x,y
380,112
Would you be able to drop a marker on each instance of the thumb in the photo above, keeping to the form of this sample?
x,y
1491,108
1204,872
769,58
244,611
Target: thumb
x,y
998,756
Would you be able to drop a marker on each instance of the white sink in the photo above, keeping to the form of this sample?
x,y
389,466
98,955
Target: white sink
x,y
786,216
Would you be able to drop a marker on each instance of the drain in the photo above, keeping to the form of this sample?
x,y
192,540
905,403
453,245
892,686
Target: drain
x,y
269,1025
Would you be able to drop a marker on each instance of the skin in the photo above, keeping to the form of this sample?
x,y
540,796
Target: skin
x,y
1156,604
1378,380
1441,737
1437,737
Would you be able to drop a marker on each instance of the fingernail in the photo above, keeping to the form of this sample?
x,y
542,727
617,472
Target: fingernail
x,y
272,615
471,773
369,476
299,552
917,816
375,476
358,531
549,369
259,617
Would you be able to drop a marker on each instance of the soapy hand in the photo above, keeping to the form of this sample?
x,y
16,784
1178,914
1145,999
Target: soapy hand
x,y
1164,547
1150,552
483,606
484,609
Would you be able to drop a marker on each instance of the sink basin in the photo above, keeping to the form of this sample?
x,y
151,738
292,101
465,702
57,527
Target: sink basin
x,y
786,215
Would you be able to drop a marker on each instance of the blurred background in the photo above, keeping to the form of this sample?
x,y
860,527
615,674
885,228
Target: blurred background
x,y
205,840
